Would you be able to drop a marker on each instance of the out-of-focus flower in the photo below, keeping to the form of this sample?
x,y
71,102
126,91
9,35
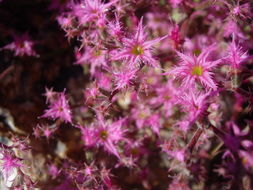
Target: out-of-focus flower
x,y
166,96
21,47
238,10
235,54
53,170
115,28
44,130
9,166
175,3
59,109
91,10
95,57
89,171
178,184
140,114
247,158
194,103
198,43
50,95
124,78
154,121
173,150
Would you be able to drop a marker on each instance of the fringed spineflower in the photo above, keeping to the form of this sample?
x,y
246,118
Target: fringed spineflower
x,y
235,55
192,69
138,50
59,109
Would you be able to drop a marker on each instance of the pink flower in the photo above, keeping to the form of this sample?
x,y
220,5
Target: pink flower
x,y
235,55
9,165
247,158
176,39
59,109
192,69
89,171
104,134
44,130
124,78
115,28
154,122
238,10
95,57
50,95
65,22
194,103
231,27
91,93
176,184
137,49
21,47
92,10
175,3
140,115
166,96
53,171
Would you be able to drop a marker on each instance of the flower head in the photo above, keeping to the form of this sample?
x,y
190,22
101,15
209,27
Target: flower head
x,y
194,103
138,49
175,3
21,47
124,77
192,69
59,109
92,10
235,54
104,134
115,28
94,56
9,165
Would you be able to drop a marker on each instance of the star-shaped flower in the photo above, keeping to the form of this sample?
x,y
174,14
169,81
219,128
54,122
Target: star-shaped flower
x,y
138,49
192,69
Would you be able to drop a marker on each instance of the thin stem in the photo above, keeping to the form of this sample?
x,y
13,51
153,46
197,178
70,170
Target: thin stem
x,y
235,82
194,139
6,71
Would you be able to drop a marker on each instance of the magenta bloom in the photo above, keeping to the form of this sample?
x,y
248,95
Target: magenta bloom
x,y
50,95
104,134
115,28
166,96
21,47
59,109
92,10
235,55
192,69
194,103
175,3
137,49
124,78
9,165
93,56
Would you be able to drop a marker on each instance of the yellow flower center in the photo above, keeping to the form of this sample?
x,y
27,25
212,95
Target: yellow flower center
x,y
97,53
103,135
137,50
142,115
167,97
197,70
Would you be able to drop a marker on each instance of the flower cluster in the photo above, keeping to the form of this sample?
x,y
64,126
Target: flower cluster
x,y
154,95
